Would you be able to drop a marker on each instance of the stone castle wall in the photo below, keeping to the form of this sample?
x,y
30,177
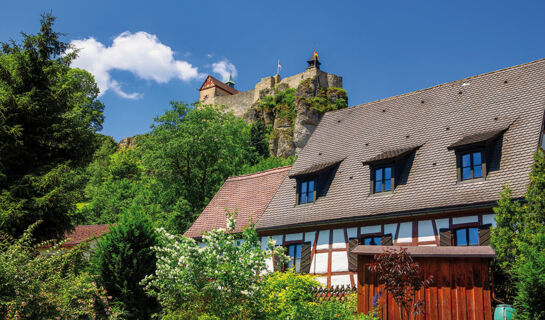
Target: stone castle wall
x,y
241,103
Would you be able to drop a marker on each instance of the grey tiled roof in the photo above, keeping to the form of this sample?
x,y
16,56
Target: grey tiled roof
x,y
477,137
435,118
391,154
317,167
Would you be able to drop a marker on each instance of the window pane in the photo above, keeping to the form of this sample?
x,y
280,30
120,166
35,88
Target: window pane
x,y
461,239
298,251
377,240
291,251
466,173
387,185
473,236
378,186
304,186
387,173
466,160
378,174
476,158
303,198
310,197
298,265
477,171
311,186
367,241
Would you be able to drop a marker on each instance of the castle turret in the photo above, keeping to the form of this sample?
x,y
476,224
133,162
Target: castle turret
x,y
230,82
313,62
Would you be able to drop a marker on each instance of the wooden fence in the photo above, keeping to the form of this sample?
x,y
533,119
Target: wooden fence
x,y
338,293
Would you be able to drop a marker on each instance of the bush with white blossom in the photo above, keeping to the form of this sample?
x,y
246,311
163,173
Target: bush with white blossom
x,y
218,277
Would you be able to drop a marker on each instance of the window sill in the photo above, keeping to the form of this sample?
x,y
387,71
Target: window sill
x,y
468,181
380,194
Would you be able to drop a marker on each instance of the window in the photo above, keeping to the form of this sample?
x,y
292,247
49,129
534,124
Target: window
x,y
472,165
467,236
294,252
306,191
382,179
372,241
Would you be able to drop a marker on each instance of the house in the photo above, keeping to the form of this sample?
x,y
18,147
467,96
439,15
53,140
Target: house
x,y
81,234
423,168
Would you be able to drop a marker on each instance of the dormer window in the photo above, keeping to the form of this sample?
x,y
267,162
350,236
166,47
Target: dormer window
x,y
472,165
307,191
383,179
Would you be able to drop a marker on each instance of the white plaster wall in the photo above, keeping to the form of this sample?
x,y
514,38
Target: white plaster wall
x,y
323,240
441,224
390,229
371,229
405,232
467,219
319,263
425,231
489,219
338,239
339,261
322,280
294,236
340,280
309,237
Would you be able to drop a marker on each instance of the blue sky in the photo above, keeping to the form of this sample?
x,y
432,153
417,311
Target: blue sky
x,y
163,49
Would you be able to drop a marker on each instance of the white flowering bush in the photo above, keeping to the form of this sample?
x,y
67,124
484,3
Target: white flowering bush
x,y
219,277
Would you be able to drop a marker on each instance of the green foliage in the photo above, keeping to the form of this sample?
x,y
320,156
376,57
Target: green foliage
x,y
288,295
268,163
122,259
518,239
50,285
220,278
259,138
49,114
115,181
282,105
190,152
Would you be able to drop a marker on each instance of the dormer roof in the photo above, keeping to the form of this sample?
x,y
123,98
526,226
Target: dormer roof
x,y
450,114
210,82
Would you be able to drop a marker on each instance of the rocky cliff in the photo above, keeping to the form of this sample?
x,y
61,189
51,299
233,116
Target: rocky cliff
x,y
290,115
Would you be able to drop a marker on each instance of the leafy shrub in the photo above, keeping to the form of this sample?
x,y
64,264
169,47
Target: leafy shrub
x,y
220,278
49,285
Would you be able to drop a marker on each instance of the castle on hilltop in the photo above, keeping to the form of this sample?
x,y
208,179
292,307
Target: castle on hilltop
x,y
289,133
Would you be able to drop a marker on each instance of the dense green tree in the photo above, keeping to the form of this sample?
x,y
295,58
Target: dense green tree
x,y
114,182
519,241
123,258
190,152
49,114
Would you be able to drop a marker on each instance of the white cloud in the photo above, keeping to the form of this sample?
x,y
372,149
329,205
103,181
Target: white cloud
x,y
209,55
140,53
224,68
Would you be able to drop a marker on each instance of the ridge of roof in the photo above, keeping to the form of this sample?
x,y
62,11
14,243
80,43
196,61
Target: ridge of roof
x,y
542,60
258,174
220,85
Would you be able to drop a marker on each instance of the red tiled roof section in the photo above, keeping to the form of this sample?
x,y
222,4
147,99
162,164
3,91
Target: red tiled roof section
x,y
213,82
248,194
85,232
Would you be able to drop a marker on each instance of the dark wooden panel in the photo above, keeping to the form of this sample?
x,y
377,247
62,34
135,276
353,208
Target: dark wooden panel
x,y
484,235
460,290
352,257
306,249
445,237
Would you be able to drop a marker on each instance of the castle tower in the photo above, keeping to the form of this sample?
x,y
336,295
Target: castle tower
x,y
230,82
313,62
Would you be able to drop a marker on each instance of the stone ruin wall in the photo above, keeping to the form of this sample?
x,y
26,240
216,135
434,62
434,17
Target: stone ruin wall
x,y
289,140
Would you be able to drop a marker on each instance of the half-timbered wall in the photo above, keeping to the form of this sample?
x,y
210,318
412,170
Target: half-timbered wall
x,y
330,247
